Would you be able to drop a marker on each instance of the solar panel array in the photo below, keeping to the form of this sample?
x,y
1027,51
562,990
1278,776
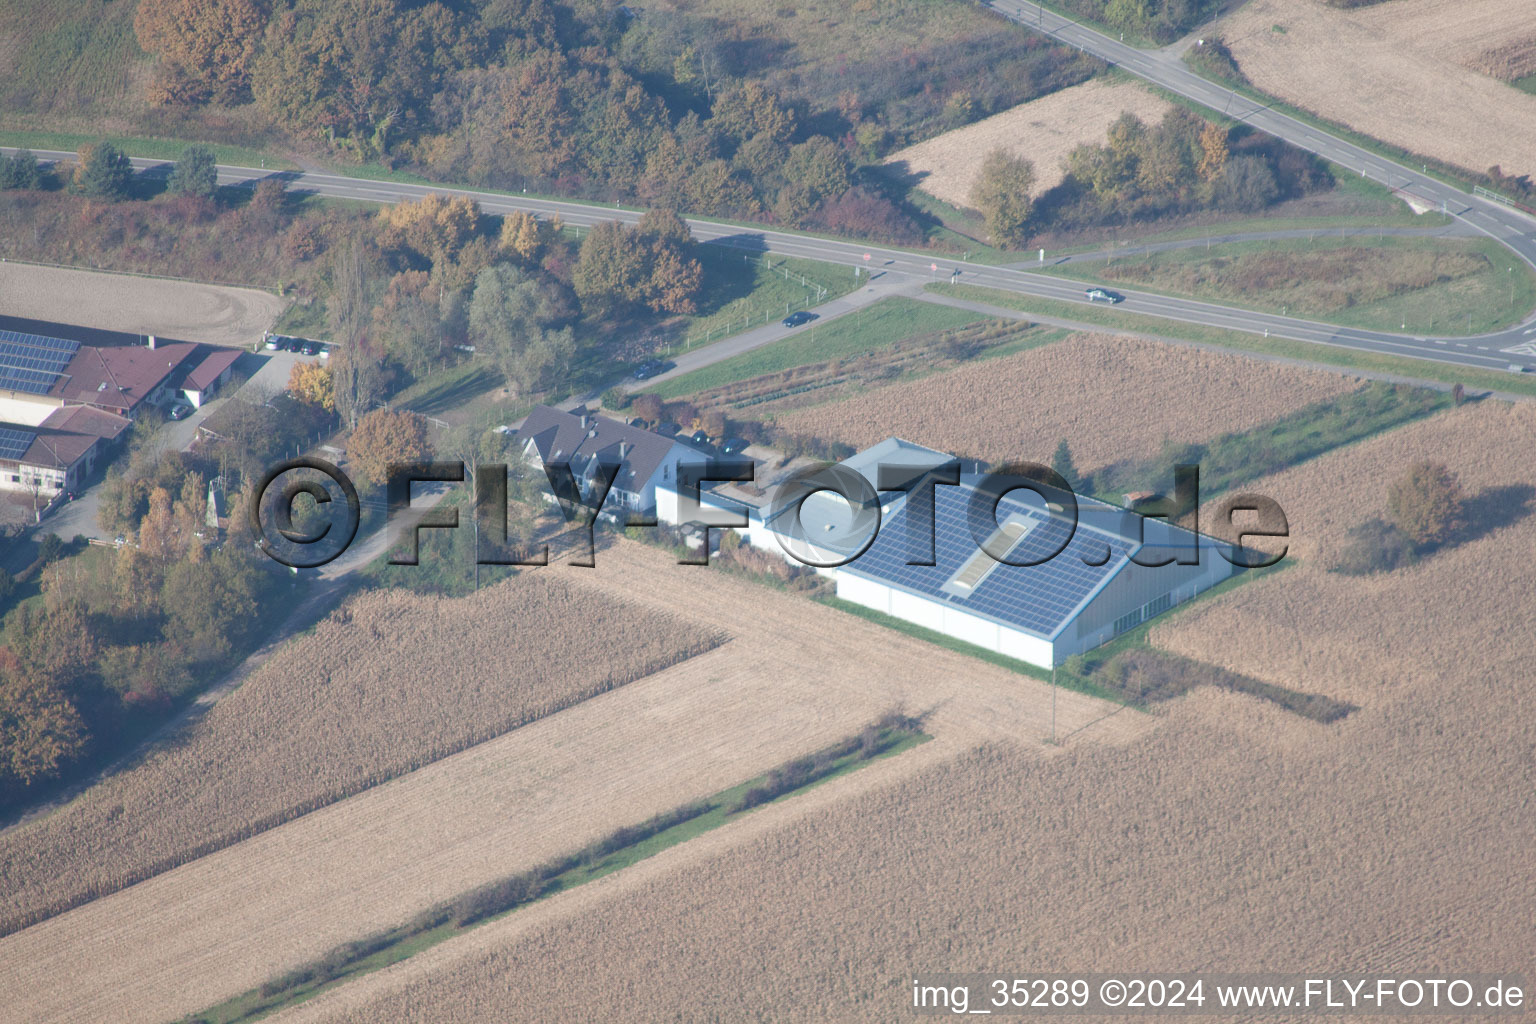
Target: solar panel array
x,y
1039,598
14,443
31,362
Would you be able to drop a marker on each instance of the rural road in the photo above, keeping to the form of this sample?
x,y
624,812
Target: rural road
x,y
1515,346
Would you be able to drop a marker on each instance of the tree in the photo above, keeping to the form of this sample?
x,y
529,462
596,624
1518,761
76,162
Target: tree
x,y
524,236
409,320
1426,504
612,269
1001,193
1064,465
210,606
313,384
104,172
434,229
40,729
384,437
647,407
204,48
1213,152
1247,185
1373,546
21,171
510,316
196,173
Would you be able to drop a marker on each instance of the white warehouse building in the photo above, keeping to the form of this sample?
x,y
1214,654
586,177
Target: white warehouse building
x,y
1115,570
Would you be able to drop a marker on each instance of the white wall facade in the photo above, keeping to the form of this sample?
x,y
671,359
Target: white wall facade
x,y
935,615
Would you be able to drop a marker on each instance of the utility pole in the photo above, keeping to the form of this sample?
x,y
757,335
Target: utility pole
x,y
1053,701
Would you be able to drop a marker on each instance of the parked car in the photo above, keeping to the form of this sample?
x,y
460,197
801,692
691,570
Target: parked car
x,y
325,351
667,428
180,411
1103,295
805,316
734,445
699,437
310,349
274,343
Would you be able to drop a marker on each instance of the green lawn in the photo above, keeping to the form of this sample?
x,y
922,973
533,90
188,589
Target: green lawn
x,y
744,290
1526,84
141,146
1434,286
874,327
1333,355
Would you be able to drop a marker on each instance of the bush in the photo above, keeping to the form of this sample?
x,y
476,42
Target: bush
x,y
1374,546
1426,504
616,399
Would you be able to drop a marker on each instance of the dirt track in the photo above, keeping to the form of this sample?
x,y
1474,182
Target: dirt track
x,y
183,310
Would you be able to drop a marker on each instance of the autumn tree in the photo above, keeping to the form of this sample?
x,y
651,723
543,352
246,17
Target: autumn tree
x,y
408,320
356,71
648,407
816,170
103,172
383,437
1213,152
210,606
40,728
1001,194
204,49
314,384
524,236
1246,185
1426,504
433,230
195,174
750,109
650,265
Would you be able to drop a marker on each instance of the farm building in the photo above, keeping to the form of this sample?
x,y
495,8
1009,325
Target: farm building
x,y
645,459
1117,568
208,375
59,453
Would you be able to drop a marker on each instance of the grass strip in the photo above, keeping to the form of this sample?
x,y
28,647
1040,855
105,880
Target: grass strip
x,y
888,736
866,330
1408,367
147,147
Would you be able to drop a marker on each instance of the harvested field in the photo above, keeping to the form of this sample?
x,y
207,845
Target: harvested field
x,y
1235,837
182,310
1114,399
802,677
1043,131
1399,72
1449,617
389,682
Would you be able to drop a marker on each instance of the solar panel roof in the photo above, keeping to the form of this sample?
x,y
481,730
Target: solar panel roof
x,y
1038,598
14,443
32,362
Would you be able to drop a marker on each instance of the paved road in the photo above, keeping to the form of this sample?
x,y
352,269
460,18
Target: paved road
x,y
1485,351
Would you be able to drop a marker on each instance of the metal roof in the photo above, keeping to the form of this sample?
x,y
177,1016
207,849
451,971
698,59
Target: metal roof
x,y
32,362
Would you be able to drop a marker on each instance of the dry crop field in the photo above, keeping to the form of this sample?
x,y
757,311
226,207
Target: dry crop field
x,y
1234,837
389,682
1114,399
184,310
795,677
1454,615
1418,75
1043,131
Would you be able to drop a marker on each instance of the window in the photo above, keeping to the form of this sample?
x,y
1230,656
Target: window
x,y
1157,607
1128,621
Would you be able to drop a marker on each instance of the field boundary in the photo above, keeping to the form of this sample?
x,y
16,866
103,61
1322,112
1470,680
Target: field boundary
x,y
892,734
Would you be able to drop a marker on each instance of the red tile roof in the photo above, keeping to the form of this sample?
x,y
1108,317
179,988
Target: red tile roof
x,y
207,371
68,433
119,378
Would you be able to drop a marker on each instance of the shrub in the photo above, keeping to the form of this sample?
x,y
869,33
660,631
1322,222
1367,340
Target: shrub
x,y
1426,504
1374,546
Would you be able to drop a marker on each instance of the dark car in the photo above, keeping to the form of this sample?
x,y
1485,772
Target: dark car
x,y
802,317
1104,295
734,445
310,349
650,368
699,437
666,428
180,411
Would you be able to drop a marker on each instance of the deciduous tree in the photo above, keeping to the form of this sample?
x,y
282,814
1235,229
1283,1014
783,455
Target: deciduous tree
x,y
1001,193
1426,504
314,384
383,437
204,48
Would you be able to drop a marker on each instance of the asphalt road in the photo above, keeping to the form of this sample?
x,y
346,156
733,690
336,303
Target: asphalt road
x,y
1489,351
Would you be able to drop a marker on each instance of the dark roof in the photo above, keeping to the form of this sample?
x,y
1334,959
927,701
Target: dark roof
x,y
207,371
1040,599
560,436
68,433
32,362
120,378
